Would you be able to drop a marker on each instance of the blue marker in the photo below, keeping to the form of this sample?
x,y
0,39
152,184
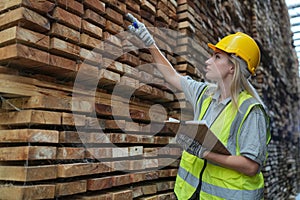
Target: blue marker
x,y
135,24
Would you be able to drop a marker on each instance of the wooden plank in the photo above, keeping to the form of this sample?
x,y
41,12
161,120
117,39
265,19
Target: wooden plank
x,y
119,152
72,6
36,102
129,70
129,59
122,195
27,173
135,150
40,6
145,77
88,74
59,67
49,103
122,165
91,42
18,34
70,188
94,18
128,85
137,177
165,185
167,173
151,175
96,5
67,18
71,119
148,198
27,153
185,68
108,77
29,136
19,89
61,47
26,117
137,191
68,153
95,124
23,56
104,196
91,29
115,124
45,191
26,18
113,39
112,51
144,91
113,27
114,16
9,71
136,165
120,180
136,139
171,162
150,152
162,16
169,195
35,84
64,32
82,137
99,183
151,163
99,153
132,5
145,4
79,169
149,189
117,5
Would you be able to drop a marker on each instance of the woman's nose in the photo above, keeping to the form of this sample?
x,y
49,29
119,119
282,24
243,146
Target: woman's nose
x,y
208,61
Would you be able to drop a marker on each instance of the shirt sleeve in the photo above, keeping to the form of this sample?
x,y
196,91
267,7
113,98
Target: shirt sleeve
x,y
253,136
192,89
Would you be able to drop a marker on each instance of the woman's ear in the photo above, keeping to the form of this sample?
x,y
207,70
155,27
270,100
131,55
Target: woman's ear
x,y
231,66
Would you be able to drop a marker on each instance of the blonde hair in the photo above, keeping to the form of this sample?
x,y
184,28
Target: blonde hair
x,y
240,81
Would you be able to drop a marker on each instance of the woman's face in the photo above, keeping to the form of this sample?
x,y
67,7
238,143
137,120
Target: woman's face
x,y
218,66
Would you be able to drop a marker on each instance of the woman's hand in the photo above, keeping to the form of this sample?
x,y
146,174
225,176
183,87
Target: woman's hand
x,y
140,30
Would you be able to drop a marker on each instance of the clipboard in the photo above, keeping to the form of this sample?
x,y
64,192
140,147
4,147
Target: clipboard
x,y
200,132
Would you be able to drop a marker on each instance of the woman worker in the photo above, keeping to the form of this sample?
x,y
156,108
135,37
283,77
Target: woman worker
x,y
234,112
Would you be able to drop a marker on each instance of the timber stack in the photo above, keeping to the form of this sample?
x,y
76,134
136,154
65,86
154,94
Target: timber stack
x,y
83,109
61,141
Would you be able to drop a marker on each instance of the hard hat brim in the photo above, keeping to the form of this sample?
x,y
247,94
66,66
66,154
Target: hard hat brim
x,y
213,47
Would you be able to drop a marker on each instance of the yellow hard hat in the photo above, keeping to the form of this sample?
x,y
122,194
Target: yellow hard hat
x,y
243,46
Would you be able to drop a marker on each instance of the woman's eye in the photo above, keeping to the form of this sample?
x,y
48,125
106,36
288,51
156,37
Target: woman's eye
x,y
217,56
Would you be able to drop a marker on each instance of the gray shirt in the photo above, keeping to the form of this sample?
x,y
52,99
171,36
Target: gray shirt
x,y
253,136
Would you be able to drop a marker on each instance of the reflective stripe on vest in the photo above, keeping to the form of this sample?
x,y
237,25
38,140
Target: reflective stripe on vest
x,y
188,177
227,194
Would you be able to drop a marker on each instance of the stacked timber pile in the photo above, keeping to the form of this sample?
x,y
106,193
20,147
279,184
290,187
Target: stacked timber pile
x,y
82,111
60,136
279,72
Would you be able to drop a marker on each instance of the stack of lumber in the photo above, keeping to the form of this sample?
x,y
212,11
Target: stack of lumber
x,y
82,111
190,55
276,76
64,133
279,71
51,145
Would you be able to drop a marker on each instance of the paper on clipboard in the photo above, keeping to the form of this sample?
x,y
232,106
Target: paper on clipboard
x,y
200,132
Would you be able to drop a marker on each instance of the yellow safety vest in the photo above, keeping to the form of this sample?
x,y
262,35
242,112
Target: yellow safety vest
x,y
218,182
